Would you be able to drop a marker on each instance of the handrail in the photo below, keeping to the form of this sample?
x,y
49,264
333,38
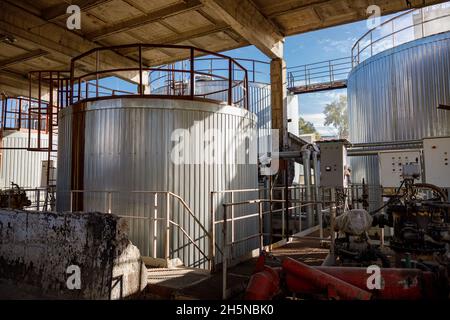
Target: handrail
x,y
209,257
359,48
328,72
144,72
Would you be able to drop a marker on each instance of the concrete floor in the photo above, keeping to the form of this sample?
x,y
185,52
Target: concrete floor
x,y
185,283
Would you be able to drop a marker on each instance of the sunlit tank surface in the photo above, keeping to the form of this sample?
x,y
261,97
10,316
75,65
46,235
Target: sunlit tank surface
x,y
127,144
394,95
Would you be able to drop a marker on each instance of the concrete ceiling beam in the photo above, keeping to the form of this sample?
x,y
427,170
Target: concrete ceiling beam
x,y
245,18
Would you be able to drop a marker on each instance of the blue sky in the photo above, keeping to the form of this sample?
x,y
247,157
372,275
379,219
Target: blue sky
x,y
312,47
316,46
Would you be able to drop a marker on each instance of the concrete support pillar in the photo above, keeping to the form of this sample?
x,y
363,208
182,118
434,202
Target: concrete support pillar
x,y
278,83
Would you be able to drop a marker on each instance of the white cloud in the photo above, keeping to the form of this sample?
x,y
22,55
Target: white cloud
x,y
343,46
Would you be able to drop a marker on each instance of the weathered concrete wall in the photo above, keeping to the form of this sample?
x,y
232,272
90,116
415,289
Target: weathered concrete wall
x,y
36,249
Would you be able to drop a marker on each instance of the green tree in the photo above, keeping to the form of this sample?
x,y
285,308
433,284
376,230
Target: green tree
x,y
336,114
306,126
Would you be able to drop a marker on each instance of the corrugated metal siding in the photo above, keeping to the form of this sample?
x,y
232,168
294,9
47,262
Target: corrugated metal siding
x,y
393,96
20,166
259,103
128,147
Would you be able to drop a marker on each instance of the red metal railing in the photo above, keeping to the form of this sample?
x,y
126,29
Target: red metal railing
x,y
140,76
55,87
15,114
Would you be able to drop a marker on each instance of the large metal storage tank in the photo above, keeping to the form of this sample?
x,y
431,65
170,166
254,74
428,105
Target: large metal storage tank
x,y
125,144
394,95
19,165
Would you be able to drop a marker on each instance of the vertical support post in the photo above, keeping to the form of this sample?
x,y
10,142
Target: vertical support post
x,y
71,201
283,216
167,241
286,196
422,22
332,220
330,67
192,73
358,51
247,93
306,77
316,168
155,226
232,221
230,82
371,41
261,232
253,67
212,233
109,202
225,254
271,209
39,111
141,84
306,159
97,62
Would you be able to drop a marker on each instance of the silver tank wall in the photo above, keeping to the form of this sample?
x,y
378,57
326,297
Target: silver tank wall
x,y
393,96
127,147
259,102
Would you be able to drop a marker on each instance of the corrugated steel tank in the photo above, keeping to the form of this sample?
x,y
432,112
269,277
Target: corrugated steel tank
x,y
394,95
125,144
19,165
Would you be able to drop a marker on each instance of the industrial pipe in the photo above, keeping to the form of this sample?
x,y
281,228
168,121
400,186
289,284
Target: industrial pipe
x,y
396,284
312,277
263,285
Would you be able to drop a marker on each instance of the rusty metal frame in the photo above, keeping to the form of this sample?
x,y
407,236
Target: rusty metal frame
x,y
76,81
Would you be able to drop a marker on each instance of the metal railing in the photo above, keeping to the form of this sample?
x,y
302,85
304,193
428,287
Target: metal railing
x,y
319,76
406,27
15,114
288,206
167,218
139,74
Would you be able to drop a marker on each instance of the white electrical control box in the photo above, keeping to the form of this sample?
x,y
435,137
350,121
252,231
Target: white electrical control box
x,y
436,153
391,166
333,163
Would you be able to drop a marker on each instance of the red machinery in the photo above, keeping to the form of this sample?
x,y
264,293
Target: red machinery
x,y
344,283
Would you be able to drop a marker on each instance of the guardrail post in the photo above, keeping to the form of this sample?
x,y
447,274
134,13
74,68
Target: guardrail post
x,y
212,233
192,73
167,242
225,254
232,217
261,232
283,219
155,226
109,201
332,219
230,82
